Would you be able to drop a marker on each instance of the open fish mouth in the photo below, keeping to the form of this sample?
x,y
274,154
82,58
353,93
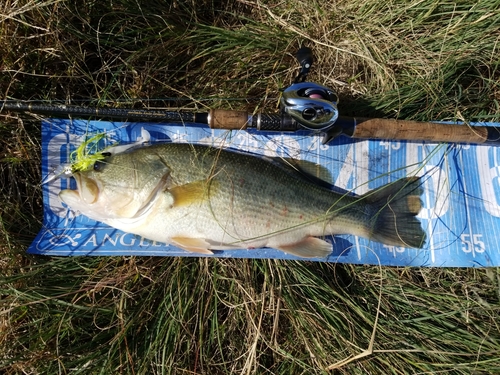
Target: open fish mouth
x,y
70,197
87,189
87,192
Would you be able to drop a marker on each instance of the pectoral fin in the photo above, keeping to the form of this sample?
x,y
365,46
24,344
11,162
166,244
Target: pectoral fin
x,y
194,245
309,247
187,194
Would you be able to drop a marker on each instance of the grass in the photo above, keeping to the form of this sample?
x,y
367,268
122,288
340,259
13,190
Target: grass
x,y
425,60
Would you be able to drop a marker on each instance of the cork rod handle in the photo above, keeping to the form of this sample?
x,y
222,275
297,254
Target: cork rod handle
x,y
421,131
224,119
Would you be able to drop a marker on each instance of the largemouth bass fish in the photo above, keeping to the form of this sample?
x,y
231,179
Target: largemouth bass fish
x,y
201,198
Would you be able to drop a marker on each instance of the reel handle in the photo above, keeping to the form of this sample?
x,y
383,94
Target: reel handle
x,y
305,58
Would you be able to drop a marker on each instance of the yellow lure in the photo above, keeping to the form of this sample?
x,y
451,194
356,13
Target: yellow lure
x,y
85,155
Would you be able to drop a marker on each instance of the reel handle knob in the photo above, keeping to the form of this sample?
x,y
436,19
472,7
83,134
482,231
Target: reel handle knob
x,y
305,58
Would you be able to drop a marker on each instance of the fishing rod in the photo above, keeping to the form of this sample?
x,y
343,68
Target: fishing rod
x,y
304,106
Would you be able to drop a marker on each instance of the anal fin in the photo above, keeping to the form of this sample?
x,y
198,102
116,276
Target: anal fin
x,y
194,245
309,247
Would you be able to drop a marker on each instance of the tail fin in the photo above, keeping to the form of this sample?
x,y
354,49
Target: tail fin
x,y
394,208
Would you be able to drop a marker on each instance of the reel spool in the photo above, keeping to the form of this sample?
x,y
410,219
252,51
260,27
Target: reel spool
x,y
313,106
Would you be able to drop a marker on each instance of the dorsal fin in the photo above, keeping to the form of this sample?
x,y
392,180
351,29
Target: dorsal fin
x,y
307,170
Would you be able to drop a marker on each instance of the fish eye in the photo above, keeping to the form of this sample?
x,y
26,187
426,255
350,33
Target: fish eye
x,y
98,166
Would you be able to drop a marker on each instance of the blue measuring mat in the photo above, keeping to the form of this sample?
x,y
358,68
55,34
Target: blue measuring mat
x,y
461,199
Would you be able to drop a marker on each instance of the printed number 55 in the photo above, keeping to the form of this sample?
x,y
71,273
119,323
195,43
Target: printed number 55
x,y
472,243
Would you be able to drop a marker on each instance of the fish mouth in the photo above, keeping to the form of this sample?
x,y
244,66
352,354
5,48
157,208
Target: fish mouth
x,y
87,189
70,197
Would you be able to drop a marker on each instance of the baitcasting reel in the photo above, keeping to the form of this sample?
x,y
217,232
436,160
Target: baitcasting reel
x,y
311,105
